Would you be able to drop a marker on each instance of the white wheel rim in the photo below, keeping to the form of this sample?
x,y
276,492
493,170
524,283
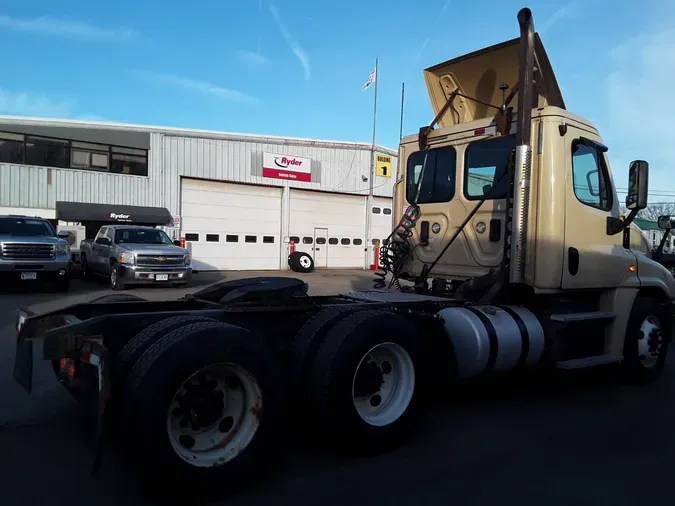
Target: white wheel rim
x,y
650,341
384,404
305,261
113,277
230,423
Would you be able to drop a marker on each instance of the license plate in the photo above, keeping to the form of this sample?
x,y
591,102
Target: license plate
x,y
162,277
29,275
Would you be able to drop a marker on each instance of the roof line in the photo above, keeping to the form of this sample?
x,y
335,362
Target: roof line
x,y
191,132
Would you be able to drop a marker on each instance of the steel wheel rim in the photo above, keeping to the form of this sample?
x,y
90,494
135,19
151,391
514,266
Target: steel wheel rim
x,y
113,277
305,261
383,405
650,341
226,432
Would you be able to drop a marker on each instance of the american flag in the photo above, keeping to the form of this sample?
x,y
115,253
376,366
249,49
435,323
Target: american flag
x,y
371,79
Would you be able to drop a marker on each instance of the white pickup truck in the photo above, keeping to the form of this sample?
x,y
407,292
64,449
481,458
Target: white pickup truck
x,y
131,254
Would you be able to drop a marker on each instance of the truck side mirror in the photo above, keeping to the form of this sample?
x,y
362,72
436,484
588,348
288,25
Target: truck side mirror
x,y
638,184
63,234
176,242
666,222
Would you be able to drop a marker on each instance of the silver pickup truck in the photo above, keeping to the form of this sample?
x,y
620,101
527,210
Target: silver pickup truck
x,y
31,250
129,254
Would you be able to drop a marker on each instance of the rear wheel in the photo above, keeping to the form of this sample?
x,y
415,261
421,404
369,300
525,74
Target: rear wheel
x,y
205,408
84,269
365,381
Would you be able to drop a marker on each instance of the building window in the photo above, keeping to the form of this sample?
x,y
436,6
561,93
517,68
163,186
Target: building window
x,y
66,154
192,237
375,242
386,210
129,161
333,240
212,238
250,238
231,238
47,152
376,210
357,242
321,240
295,239
11,148
268,239
307,240
439,175
485,164
345,242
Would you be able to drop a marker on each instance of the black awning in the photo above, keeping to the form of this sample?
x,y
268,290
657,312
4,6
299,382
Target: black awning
x,y
78,211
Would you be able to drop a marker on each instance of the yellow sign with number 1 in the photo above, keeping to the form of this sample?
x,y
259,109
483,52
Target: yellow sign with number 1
x,y
383,166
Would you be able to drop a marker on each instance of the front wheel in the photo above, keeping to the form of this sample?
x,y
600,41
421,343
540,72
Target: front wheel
x,y
205,407
646,341
116,283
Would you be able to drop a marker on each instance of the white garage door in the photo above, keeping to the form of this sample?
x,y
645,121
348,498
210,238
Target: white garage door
x,y
231,226
329,227
382,220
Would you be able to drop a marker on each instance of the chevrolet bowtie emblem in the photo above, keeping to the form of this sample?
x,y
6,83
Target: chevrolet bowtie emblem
x,y
161,259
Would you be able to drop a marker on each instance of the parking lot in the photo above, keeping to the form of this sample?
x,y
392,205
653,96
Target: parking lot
x,y
576,441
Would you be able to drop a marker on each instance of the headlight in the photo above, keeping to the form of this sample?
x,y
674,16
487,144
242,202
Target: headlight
x,y
127,258
62,249
186,260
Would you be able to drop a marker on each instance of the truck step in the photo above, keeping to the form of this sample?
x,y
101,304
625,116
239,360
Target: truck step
x,y
587,362
578,317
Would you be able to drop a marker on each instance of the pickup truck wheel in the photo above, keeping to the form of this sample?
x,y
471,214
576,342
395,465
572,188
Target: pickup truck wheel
x,y
84,269
116,283
365,382
206,408
646,342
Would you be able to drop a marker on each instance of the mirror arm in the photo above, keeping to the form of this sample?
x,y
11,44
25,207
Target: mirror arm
x,y
659,249
616,225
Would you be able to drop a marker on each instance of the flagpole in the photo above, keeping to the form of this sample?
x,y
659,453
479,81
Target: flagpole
x,y
400,133
372,161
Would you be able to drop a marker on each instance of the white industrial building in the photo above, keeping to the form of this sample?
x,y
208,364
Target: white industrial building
x,y
236,199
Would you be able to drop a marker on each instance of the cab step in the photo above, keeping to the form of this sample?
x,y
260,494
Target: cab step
x,y
579,317
587,362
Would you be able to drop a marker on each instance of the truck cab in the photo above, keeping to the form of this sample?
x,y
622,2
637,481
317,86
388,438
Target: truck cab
x,y
572,196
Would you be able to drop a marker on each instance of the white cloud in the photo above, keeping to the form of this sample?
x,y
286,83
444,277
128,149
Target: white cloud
x,y
292,43
67,28
567,11
252,59
639,120
32,104
202,86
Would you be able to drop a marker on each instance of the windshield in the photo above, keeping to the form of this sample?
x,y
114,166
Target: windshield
x,y
26,226
141,236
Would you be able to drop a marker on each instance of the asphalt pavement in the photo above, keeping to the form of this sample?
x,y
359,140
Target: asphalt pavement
x,y
582,441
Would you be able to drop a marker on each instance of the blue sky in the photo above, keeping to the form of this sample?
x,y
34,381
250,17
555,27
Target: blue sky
x,y
296,67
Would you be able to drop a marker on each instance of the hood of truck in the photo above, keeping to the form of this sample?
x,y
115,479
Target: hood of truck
x,y
153,249
32,239
479,75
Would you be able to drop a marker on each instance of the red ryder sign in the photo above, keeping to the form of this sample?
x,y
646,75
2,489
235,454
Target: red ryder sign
x,y
292,168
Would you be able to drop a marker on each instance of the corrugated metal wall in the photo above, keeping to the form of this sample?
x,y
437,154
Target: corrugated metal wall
x,y
336,169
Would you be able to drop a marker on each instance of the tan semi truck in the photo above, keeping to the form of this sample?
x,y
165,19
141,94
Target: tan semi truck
x,y
511,253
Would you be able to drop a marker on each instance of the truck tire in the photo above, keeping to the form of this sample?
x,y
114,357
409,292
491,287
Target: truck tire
x,y
116,283
308,340
221,375
368,406
300,261
645,344
122,363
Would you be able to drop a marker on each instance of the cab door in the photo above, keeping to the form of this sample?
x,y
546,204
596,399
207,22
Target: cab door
x,y
592,258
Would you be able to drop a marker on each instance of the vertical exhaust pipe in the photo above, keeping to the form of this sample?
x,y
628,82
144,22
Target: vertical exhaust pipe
x,y
523,158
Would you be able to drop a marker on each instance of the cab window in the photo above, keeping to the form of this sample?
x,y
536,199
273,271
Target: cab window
x,y
589,175
439,175
485,162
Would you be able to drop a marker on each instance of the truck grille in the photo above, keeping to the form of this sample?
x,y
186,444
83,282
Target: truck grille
x,y
27,251
159,260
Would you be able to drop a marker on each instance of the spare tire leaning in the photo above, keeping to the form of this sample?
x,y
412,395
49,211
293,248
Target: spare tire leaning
x,y
206,406
299,261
